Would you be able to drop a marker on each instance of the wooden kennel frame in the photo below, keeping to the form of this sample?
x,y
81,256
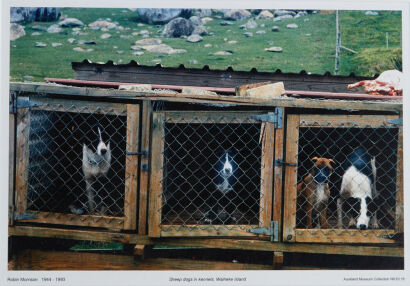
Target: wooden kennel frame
x,y
141,222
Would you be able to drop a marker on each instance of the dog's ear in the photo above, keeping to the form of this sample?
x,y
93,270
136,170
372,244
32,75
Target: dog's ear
x,y
314,159
332,161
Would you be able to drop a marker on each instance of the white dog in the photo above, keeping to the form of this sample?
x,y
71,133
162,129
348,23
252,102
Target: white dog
x,y
359,186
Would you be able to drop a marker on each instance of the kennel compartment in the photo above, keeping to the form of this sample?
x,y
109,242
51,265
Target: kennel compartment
x,y
336,137
211,174
50,183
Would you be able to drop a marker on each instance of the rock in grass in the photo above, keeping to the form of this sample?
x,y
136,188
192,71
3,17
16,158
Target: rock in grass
x,y
39,28
16,31
265,14
274,49
71,40
283,17
138,53
54,29
56,44
200,30
194,38
248,34
222,53
148,42
260,32
226,23
237,14
206,20
193,62
36,34
232,42
105,36
79,49
292,26
371,13
275,29
178,27
71,22
41,44
99,24
251,24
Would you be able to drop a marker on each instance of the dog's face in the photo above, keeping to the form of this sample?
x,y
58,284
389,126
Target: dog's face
x,y
322,169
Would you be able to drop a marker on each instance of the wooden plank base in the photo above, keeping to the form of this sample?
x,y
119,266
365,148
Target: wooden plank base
x,y
278,260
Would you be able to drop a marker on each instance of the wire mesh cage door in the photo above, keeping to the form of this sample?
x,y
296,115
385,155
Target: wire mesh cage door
x,y
76,163
346,184
211,174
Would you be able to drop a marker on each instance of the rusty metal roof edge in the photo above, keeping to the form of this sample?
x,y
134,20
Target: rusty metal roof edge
x,y
253,70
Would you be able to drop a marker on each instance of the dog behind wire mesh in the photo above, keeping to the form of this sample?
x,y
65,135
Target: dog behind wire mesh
x,y
95,165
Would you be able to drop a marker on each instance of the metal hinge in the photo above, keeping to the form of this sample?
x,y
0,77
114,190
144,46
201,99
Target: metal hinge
x,y
272,231
280,162
16,103
397,121
142,153
273,117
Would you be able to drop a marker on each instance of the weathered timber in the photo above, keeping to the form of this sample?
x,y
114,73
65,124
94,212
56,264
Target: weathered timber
x,y
131,168
345,236
289,210
278,180
206,230
156,167
272,90
345,121
268,144
349,105
399,216
12,166
241,90
278,260
219,243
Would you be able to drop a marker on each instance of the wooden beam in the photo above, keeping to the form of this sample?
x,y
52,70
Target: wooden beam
x,y
131,168
12,165
241,90
278,180
261,245
78,234
277,260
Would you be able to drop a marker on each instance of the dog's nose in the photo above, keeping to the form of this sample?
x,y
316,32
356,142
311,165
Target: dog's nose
x,y
362,227
103,151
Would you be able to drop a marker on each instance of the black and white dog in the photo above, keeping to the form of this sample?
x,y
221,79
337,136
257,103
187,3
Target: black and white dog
x,y
359,189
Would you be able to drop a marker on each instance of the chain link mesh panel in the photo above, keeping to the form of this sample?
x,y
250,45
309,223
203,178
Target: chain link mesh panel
x,y
56,181
212,172
347,146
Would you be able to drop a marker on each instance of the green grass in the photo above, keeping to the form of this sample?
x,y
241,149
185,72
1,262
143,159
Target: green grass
x,y
311,47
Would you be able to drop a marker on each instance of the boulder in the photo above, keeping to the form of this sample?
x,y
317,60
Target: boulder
x,y
255,11
200,30
206,20
105,36
71,22
260,32
275,29
194,38
292,26
251,24
196,21
226,23
148,41
36,34
56,44
100,24
265,14
237,14
16,31
281,12
283,17
41,44
274,49
30,14
161,16
178,27
371,13
53,29
248,34
222,53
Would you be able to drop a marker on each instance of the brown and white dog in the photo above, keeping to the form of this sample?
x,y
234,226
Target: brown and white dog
x,y
314,193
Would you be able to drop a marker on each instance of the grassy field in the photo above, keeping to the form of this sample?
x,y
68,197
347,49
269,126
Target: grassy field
x,y
311,47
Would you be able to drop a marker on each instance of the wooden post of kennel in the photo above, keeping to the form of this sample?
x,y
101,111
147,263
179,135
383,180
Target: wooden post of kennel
x,y
12,167
131,167
277,260
157,161
268,144
22,159
144,166
278,180
290,193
